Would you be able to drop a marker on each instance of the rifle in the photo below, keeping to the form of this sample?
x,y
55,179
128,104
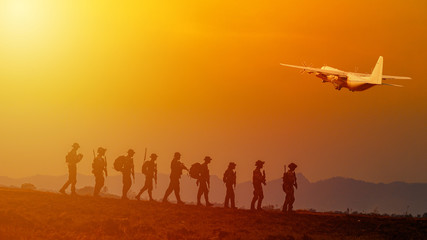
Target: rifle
x,y
105,166
145,158
263,174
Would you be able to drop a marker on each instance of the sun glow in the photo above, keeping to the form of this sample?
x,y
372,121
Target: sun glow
x,y
22,18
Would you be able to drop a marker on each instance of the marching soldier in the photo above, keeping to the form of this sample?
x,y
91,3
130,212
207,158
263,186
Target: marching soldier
x,y
230,182
176,172
99,167
149,169
72,159
289,181
204,182
127,171
258,179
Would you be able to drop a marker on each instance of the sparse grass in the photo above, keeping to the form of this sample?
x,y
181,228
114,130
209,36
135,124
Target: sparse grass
x,y
38,215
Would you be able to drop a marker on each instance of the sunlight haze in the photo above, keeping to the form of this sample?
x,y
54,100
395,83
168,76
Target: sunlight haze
x,y
203,78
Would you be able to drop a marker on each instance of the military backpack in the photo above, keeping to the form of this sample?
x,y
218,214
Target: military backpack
x,y
195,170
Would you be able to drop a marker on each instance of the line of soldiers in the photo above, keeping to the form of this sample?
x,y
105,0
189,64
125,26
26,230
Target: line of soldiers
x,y
125,165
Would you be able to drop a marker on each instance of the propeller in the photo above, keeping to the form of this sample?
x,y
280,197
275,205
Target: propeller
x,y
305,65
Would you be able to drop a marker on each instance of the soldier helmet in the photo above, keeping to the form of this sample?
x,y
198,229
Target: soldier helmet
x,y
75,145
232,164
153,155
207,158
177,154
292,166
259,163
101,150
131,151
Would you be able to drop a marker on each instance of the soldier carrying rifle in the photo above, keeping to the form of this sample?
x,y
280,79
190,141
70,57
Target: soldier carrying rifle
x,y
149,169
99,167
258,179
72,159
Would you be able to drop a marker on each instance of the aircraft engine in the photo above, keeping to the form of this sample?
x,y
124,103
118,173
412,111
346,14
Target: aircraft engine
x,y
332,78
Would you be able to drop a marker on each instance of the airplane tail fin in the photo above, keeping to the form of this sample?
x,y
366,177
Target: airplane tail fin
x,y
377,73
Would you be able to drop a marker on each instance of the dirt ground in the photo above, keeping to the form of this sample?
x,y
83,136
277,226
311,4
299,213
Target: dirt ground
x,y
39,215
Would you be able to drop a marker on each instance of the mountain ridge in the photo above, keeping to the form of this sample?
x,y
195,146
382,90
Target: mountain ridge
x,y
333,194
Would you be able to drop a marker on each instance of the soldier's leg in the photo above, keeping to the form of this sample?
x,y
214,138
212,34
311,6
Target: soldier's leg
x,y
67,183
233,205
73,179
127,182
291,201
254,200
99,184
168,191
199,193
73,188
142,190
150,192
260,198
227,197
206,193
95,189
176,188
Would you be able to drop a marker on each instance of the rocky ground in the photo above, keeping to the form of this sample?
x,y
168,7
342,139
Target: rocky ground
x,y
40,215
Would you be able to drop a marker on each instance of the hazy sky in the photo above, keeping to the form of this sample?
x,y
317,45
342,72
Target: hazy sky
x,y
204,79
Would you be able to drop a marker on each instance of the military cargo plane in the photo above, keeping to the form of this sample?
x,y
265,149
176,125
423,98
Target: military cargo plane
x,y
352,81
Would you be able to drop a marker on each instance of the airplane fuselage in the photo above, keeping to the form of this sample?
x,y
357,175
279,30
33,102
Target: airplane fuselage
x,y
344,82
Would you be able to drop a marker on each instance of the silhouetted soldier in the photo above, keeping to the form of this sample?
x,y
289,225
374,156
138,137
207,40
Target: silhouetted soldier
x,y
257,180
127,171
204,182
149,169
99,167
72,159
289,181
176,172
230,182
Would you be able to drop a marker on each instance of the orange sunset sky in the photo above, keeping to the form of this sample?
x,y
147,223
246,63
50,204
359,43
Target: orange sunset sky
x,y
203,78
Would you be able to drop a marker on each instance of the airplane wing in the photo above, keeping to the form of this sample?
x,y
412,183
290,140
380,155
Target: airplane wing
x,y
318,70
387,77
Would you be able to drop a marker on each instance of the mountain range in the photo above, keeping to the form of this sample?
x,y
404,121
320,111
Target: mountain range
x,y
334,194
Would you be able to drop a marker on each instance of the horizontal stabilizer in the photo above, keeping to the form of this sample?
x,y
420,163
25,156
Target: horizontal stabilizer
x,y
393,85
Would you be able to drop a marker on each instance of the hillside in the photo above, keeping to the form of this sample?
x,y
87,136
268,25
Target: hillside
x,y
40,215
334,194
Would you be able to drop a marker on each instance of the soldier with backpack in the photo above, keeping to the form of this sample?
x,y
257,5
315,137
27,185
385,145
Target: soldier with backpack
x,y
230,183
203,180
258,179
149,169
99,167
289,181
72,159
125,165
176,172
